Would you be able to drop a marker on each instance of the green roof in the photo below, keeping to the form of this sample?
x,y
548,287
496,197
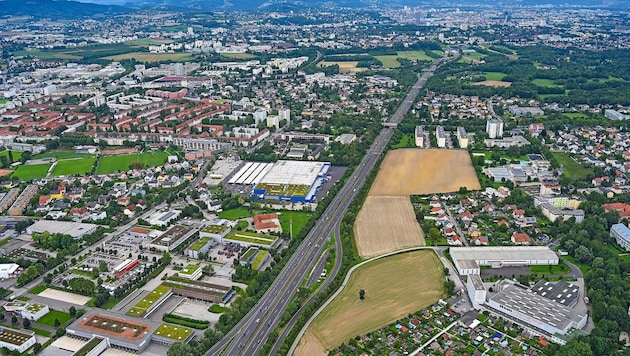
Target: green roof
x,y
199,244
190,269
215,229
259,258
251,237
177,333
148,301
35,307
14,337
249,253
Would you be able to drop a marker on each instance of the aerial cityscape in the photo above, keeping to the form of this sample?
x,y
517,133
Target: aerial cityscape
x,y
312,178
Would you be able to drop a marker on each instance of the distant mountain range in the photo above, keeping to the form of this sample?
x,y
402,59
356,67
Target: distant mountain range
x,y
92,8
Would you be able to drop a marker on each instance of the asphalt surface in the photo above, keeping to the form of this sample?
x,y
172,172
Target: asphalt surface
x,y
250,334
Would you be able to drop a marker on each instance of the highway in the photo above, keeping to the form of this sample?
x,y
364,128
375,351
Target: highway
x,y
250,334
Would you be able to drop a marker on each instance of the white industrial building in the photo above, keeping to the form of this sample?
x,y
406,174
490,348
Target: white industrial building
x,y
552,213
30,311
494,128
476,290
163,218
16,340
534,311
9,270
468,260
440,135
419,132
621,234
74,229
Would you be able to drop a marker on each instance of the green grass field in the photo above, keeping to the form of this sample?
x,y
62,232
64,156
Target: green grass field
x,y
49,319
390,61
47,54
62,154
550,269
35,171
145,42
475,55
74,167
4,101
300,218
16,155
37,289
113,164
151,57
547,83
407,140
39,331
414,55
574,115
572,168
497,76
233,214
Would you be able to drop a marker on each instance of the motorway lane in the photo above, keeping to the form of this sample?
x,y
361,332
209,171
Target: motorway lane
x,y
248,336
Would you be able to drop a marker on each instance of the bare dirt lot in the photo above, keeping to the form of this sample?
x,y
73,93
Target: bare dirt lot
x,y
412,171
386,224
394,287
494,83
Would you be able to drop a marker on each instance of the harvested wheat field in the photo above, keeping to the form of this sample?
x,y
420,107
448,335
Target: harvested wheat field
x,y
494,83
413,171
394,287
386,224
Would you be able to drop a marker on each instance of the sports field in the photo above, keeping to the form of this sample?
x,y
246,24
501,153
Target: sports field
x,y
414,55
113,164
394,287
413,171
494,83
78,166
151,57
26,173
386,224
62,154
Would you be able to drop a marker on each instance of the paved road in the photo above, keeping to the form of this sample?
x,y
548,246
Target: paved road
x,y
249,335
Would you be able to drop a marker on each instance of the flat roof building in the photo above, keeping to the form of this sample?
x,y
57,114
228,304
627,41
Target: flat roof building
x,y
539,313
440,135
173,237
621,234
163,218
462,137
74,229
16,340
476,290
561,292
468,260
419,133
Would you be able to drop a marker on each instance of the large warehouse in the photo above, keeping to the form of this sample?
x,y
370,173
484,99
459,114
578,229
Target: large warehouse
x,y
295,181
468,260
534,310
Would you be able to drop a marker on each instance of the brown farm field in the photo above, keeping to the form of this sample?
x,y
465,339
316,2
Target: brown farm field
x,y
494,83
394,287
386,224
413,171
152,57
344,67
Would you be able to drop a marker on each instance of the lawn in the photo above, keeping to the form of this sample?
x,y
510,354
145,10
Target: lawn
x,y
233,214
394,287
406,141
547,83
238,55
572,168
69,167
216,308
390,61
16,154
574,115
550,269
583,267
151,57
145,42
37,289
300,218
113,164
4,101
26,173
47,54
49,319
40,331
414,55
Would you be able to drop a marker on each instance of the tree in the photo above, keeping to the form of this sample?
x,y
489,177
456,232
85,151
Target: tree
x,y
575,348
26,323
60,331
37,348
14,319
72,311
57,323
102,266
362,294
166,258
